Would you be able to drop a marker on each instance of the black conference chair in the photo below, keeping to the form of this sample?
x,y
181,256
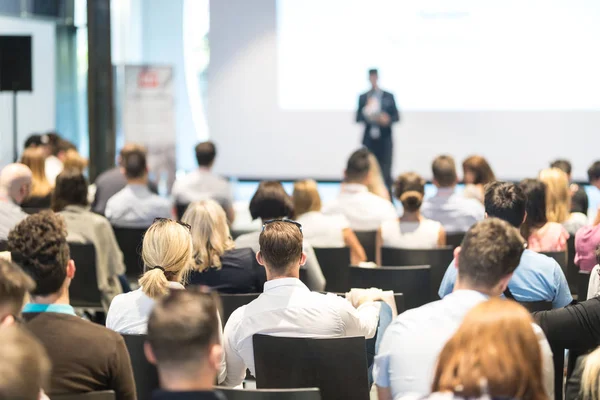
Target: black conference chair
x,y
270,394
337,366
231,302
181,210
413,282
572,268
533,306
144,373
439,260
560,257
130,243
237,233
102,395
334,263
454,239
83,291
3,245
368,240
583,282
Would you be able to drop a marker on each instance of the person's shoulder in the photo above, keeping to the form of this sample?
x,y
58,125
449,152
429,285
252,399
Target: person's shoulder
x,y
537,261
108,176
243,255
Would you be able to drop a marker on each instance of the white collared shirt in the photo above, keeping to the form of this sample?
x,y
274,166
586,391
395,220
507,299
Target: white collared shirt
x,y
135,206
454,211
364,210
202,184
322,230
408,353
288,308
10,216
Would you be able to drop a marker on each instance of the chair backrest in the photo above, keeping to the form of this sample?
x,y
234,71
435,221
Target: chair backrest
x,y
181,210
235,233
101,395
439,260
337,366
560,257
368,240
83,291
454,239
334,262
398,299
583,282
231,302
414,282
144,373
3,245
270,394
130,242
572,268
533,306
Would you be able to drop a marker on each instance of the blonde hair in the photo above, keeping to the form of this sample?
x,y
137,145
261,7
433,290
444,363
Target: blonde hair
x,y
558,196
306,197
495,350
375,182
167,245
74,160
34,158
590,378
210,233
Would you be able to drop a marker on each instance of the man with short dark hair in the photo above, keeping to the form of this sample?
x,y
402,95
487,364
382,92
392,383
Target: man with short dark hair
x,y
364,210
579,199
538,277
183,343
135,206
14,286
407,356
455,212
203,183
287,307
87,357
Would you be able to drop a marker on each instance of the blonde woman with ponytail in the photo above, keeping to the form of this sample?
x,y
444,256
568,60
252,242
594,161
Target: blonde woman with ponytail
x,y
412,230
166,250
216,262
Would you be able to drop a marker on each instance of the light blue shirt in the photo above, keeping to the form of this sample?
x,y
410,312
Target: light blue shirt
x,y
537,278
54,308
135,206
456,212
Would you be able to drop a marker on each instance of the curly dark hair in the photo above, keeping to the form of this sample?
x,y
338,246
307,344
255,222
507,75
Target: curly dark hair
x,y
39,245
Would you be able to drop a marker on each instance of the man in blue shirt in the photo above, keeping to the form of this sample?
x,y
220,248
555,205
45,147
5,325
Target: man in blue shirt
x,y
538,277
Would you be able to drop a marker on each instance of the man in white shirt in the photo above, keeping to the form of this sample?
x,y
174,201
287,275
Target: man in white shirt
x,y
406,360
135,206
287,307
203,184
15,185
364,210
455,212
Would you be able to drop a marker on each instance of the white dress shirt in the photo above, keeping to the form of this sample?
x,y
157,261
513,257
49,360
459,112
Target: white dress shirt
x,y
314,276
288,308
322,230
202,184
364,210
53,167
410,347
10,216
135,206
422,234
456,212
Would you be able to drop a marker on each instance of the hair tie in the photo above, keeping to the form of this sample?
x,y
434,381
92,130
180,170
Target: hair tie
x,y
158,267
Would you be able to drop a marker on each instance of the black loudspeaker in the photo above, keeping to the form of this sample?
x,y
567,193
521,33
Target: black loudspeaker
x,y
15,64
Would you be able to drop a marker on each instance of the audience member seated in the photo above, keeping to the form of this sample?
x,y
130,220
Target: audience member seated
x,y
86,357
216,262
322,230
83,226
558,201
135,206
41,191
203,184
493,354
112,181
584,384
15,185
538,277
586,241
476,174
364,210
579,198
541,234
375,181
272,202
594,283
14,287
287,307
54,147
183,343
166,251
455,212
74,160
406,360
412,230
24,365
35,141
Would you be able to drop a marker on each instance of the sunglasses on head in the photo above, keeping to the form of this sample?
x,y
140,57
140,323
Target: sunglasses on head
x,y
189,227
289,221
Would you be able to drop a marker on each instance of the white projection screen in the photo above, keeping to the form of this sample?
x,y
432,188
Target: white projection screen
x,y
516,81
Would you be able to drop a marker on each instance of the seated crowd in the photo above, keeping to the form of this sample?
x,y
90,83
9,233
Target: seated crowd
x,y
476,340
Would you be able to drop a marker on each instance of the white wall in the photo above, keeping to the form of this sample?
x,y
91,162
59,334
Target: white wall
x,y
37,109
257,139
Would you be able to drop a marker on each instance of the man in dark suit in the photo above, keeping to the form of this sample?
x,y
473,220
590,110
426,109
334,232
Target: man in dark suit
x,y
377,109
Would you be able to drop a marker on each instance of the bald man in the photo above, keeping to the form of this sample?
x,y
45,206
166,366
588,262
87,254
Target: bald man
x,y
15,184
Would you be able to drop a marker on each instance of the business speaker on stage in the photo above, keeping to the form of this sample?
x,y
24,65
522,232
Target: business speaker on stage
x,y
377,110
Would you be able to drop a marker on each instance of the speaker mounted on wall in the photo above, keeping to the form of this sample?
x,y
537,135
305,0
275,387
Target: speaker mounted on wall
x,y
15,64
